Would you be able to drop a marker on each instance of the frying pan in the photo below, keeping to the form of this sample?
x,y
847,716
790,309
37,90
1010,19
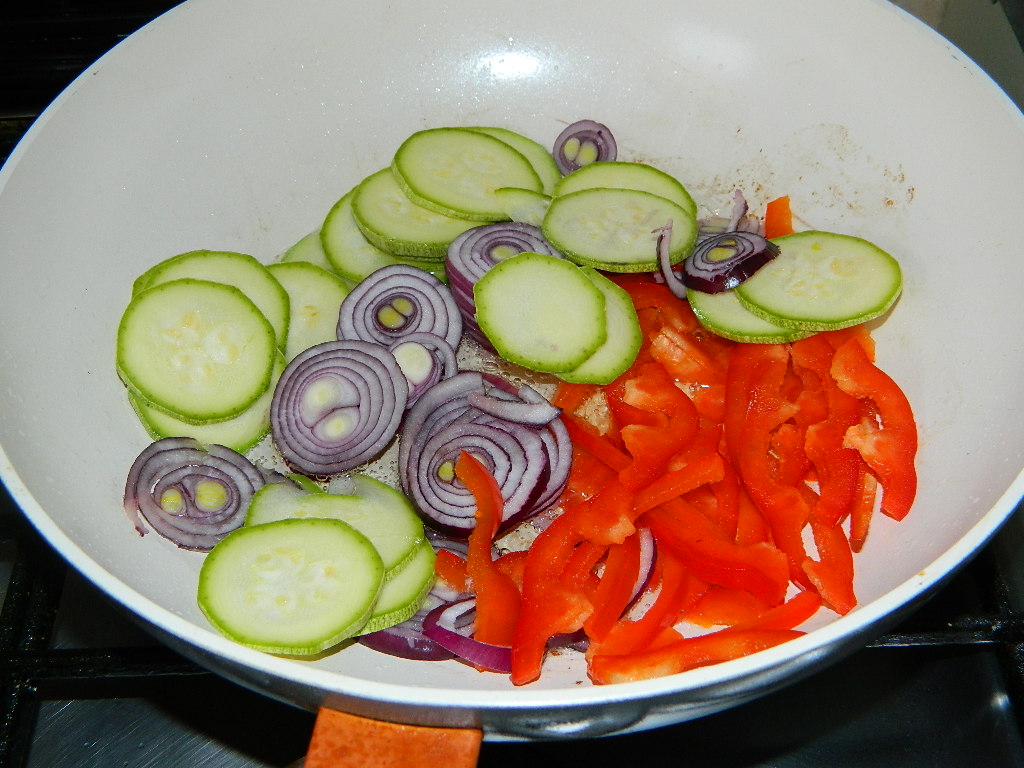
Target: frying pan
x,y
236,125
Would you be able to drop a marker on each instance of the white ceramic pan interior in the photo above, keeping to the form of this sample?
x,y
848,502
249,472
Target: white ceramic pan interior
x,y
236,125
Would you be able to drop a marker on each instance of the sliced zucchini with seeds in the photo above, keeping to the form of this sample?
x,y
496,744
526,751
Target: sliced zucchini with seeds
x,y
314,296
537,155
613,229
455,171
378,511
404,593
623,340
238,269
822,281
393,223
541,312
619,174
723,314
294,587
199,350
240,433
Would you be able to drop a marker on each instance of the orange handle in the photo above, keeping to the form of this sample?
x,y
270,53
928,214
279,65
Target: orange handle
x,y
341,740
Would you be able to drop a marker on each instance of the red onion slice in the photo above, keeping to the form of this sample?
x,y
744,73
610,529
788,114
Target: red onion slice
x,y
395,301
721,262
512,453
191,494
408,640
530,463
738,220
337,405
451,626
582,143
425,359
534,413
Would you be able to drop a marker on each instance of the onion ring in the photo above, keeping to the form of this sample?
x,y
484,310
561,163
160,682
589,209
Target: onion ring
x,y
397,300
337,405
191,494
582,143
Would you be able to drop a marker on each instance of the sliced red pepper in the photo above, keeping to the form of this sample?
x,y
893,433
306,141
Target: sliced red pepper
x,y
889,450
513,564
783,506
587,476
863,508
685,360
789,615
721,606
704,470
570,397
686,653
673,590
618,579
751,527
832,573
497,598
671,311
550,605
607,516
587,437
760,569
787,447
451,569
837,467
778,218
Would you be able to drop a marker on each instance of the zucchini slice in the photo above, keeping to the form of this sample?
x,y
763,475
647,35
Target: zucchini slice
x,y
404,593
393,223
455,171
314,296
238,269
723,314
822,281
379,512
541,312
293,587
199,350
623,341
619,174
613,229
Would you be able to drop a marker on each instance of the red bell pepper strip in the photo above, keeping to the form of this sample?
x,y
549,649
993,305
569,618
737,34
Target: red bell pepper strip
x,y
587,437
618,579
837,467
451,569
707,469
607,516
513,564
778,218
862,509
551,604
670,593
760,569
587,476
570,397
686,653
497,598
783,506
721,606
889,450
832,573
789,615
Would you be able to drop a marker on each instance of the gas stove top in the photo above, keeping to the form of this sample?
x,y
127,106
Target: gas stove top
x,y
81,685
